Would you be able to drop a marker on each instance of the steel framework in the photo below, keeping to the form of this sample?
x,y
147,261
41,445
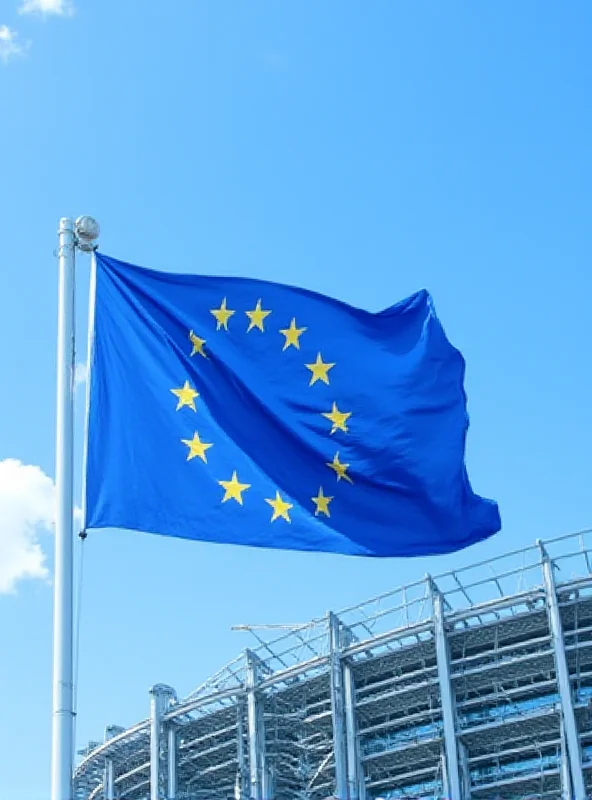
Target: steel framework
x,y
474,684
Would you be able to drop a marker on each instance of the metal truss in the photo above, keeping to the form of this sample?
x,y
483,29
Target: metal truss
x,y
476,683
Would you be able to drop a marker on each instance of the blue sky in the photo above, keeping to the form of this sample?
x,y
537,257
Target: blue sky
x,y
364,150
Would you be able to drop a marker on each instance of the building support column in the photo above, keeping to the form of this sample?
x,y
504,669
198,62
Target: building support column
x,y
241,784
446,696
109,773
355,771
563,682
160,699
565,776
256,730
465,773
172,762
267,782
338,708
108,780
445,784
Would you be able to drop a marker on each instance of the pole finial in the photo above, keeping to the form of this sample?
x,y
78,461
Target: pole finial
x,y
87,233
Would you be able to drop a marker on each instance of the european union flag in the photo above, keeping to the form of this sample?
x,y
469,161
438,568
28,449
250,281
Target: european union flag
x,y
241,411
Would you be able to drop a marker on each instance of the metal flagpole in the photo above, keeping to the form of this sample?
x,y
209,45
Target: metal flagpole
x,y
71,235
63,685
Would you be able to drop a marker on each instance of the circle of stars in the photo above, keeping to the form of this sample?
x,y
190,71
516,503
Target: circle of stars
x,y
233,489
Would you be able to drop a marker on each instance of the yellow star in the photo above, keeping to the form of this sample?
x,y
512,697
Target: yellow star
x,y
338,418
280,508
256,317
319,370
321,502
186,396
198,345
196,447
292,335
233,489
222,315
340,469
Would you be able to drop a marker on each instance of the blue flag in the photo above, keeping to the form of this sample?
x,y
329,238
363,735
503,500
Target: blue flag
x,y
240,411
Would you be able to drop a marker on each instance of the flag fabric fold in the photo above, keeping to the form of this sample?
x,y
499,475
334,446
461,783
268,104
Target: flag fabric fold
x,y
246,412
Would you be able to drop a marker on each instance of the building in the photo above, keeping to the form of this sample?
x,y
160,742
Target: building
x,y
472,684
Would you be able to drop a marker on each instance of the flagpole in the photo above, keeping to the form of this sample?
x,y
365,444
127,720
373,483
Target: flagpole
x,y
70,236
63,684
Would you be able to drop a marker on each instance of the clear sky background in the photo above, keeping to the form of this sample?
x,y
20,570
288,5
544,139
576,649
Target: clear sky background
x,y
362,149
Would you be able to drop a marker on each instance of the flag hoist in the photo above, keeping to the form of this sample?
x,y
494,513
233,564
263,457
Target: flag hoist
x,y
80,235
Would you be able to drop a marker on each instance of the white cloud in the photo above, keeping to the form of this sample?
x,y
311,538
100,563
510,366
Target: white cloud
x,y
59,8
9,44
27,506
80,374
